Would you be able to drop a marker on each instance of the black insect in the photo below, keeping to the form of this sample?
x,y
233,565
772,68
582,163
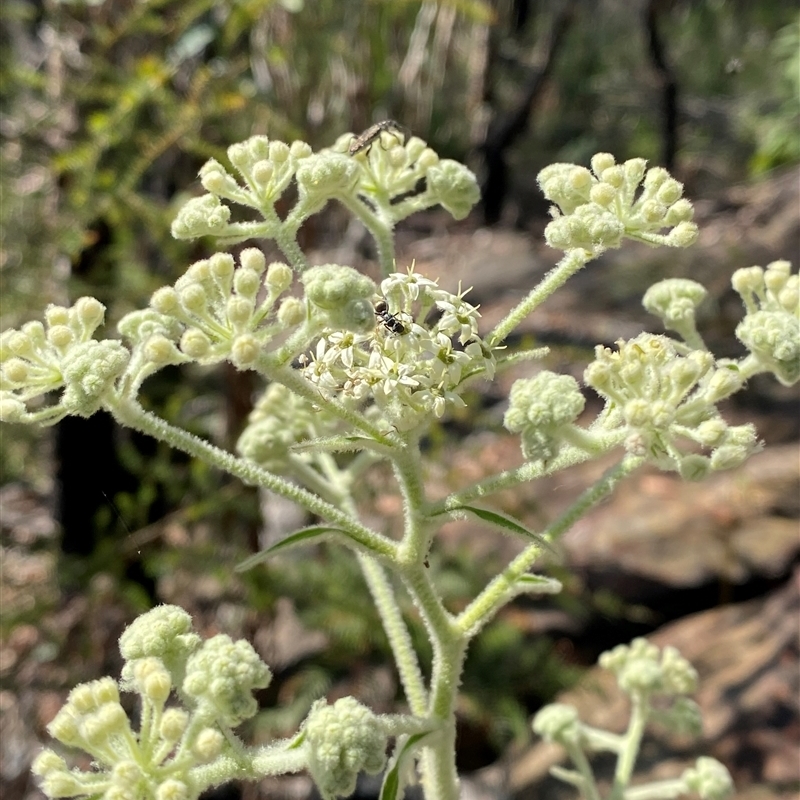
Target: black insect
x,y
364,141
389,320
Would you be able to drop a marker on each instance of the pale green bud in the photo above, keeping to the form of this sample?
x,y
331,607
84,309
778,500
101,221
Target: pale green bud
x,y
680,211
604,194
427,158
684,234
47,761
201,272
615,176
679,676
252,258
171,789
220,265
454,187
62,784
160,350
60,336
65,728
601,162
239,310
343,293
19,344
747,282
245,351
247,282
173,724
653,212
89,370
157,686
709,779
674,300
279,277
789,298
16,371
195,343
262,172
11,409
56,315
655,178
215,179
343,740
723,383
397,156
208,745
193,298
278,152
711,432
669,192
634,170
291,312
558,722
90,313
165,300
300,150
34,330
415,147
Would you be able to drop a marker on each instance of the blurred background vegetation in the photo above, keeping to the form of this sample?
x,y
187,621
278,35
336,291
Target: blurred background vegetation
x,y
110,108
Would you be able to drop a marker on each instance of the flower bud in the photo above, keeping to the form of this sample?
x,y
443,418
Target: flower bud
x,y
252,258
239,310
247,282
165,300
60,336
56,315
194,298
279,277
90,313
263,172
245,351
601,162
195,343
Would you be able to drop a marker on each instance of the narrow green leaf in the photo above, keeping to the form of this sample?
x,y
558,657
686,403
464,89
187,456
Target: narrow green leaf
x,y
539,584
298,537
505,523
391,780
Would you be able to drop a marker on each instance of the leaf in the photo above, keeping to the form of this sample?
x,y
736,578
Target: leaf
x,y
391,788
294,539
507,524
538,584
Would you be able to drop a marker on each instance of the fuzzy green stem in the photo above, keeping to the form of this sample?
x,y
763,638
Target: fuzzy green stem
x,y
398,635
131,414
494,595
572,261
626,761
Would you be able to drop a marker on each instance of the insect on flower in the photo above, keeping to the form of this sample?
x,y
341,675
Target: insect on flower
x,y
364,141
390,322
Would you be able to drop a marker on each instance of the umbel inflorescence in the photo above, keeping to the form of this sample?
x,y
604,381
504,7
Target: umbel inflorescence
x,y
356,372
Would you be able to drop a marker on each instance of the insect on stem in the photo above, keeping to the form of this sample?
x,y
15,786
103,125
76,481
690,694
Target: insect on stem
x,y
365,140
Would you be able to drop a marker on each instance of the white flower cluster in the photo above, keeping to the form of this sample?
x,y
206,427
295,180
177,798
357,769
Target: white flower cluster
x,y
771,327
414,362
38,359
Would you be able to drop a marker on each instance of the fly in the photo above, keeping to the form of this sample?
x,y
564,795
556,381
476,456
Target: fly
x,y
365,140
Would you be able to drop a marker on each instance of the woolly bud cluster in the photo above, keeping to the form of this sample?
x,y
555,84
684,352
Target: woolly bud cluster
x,y
659,397
215,311
60,355
342,740
541,409
771,327
279,420
163,655
411,367
595,209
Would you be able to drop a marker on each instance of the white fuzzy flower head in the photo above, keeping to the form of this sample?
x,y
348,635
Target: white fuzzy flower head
x,y
660,398
215,311
771,327
644,668
40,359
343,740
595,209
422,344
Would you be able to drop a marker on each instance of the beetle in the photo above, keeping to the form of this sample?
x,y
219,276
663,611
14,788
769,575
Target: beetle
x,y
365,140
